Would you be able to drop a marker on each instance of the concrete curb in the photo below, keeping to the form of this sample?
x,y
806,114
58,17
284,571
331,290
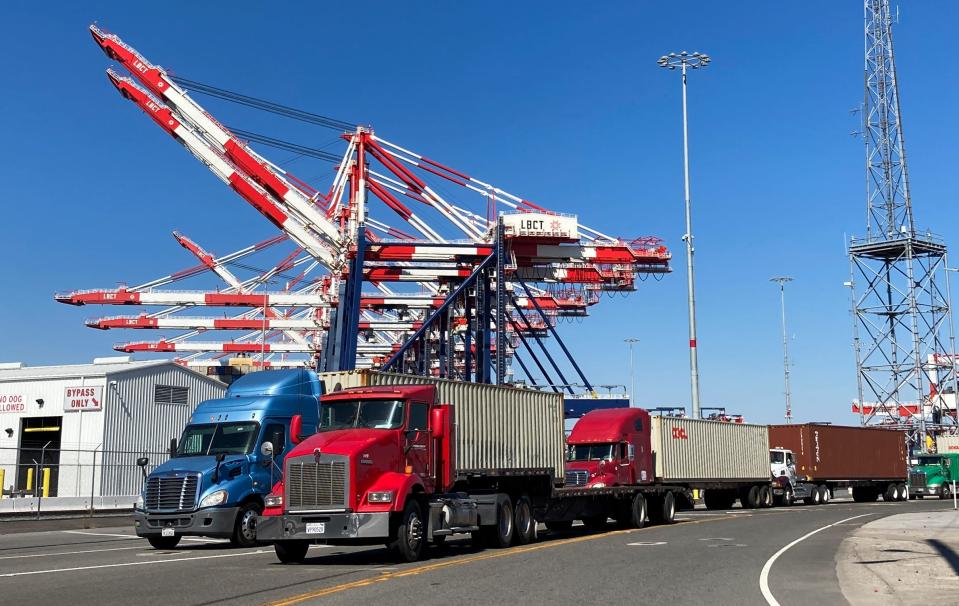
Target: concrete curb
x,y
908,558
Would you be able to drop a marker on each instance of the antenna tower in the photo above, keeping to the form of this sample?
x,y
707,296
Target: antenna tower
x,y
902,327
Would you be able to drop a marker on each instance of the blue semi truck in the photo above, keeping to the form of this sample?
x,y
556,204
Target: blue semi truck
x,y
219,471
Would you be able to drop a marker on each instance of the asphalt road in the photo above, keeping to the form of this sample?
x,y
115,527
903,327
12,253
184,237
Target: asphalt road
x,y
708,557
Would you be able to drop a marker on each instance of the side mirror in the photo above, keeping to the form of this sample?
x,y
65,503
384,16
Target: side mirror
x,y
142,463
172,448
296,429
266,449
216,470
220,457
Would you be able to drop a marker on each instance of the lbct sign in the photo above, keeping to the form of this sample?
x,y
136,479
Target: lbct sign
x,y
83,398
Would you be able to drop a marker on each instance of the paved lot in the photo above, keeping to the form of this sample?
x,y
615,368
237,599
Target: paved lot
x,y
713,556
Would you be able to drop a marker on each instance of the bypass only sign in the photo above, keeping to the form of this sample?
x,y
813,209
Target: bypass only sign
x,y
83,398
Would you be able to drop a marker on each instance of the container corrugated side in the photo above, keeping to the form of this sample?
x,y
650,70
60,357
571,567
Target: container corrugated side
x,y
947,444
836,452
498,429
709,451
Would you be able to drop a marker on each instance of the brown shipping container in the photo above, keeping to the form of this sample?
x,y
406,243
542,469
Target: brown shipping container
x,y
834,452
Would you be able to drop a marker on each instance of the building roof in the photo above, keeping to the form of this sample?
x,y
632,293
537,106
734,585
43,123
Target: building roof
x,y
99,369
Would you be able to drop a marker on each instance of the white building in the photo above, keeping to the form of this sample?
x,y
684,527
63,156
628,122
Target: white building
x,y
88,423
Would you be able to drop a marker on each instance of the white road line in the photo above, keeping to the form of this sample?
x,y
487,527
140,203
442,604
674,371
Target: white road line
x,y
101,534
46,555
123,564
764,575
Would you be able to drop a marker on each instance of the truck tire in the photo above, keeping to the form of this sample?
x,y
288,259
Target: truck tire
x,y
903,492
524,525
891,494
667,509
945,491
789,497
409,534
501,533
244,529
637,511
291,552
164,543
749,497
559,525
765,497
814,498
823,493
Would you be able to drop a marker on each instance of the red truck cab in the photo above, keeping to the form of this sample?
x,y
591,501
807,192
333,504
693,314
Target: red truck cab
x,y
610,447
375,447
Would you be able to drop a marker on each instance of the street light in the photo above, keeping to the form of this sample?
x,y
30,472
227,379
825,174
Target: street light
x,y
632,380
781,280
671,61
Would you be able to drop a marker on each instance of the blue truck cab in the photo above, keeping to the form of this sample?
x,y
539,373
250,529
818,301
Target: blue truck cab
x,y
219,472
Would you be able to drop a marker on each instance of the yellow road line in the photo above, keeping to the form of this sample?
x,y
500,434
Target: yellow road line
x,y
319,593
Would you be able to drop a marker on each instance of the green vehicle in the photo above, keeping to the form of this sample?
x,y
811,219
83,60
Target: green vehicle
x,y
933,474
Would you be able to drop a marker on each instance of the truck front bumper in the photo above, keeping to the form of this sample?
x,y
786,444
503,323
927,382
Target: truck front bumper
x,y
212,522
323,526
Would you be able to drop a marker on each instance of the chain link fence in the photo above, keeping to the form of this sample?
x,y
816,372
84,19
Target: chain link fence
x,y
71,478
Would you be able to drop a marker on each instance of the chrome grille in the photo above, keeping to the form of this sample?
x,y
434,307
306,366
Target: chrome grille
x,y
917,479
312,485
577,477
171,493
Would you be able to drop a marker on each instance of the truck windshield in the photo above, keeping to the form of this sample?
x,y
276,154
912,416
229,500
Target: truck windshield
x,y
930,460
218,438
777,457
590,452
371,414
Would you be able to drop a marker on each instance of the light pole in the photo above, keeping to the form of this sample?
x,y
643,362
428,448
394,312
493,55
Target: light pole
x,y
671,61
632,377
781,280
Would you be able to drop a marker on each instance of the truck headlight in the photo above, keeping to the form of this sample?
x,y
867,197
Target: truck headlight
x,y
139,504
214,498
273,500
385,496
598,485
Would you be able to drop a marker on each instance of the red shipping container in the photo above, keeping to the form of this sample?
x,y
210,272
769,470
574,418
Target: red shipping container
x,y
834,452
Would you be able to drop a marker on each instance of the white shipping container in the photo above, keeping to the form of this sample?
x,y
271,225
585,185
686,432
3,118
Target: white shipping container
x,y
499,430
947,444
699,450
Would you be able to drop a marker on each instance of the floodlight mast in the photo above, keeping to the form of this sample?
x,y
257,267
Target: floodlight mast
x,y
683,61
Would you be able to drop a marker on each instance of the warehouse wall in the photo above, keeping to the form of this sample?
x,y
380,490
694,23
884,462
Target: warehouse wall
x,y
81,430
135,425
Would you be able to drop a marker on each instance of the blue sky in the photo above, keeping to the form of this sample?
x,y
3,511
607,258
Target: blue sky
x,y
561,102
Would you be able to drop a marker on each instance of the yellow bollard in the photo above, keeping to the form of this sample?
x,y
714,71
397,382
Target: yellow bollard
x,y
46,482
29,485
3,472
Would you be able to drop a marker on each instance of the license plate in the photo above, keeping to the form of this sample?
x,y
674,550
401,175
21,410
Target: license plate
x,y
167,532
316,528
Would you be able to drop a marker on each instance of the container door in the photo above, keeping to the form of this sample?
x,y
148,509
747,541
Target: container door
x,y
419,443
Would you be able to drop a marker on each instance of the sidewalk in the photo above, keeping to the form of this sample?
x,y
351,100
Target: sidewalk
x,y
909,558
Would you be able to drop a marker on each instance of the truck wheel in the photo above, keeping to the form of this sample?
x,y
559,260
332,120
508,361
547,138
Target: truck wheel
x,y
164,543
667,509
637,511
291,552
523,522
789,497
944,492
892,491
500,534
823,493
559,526
244,529
749,498
903,492
765,497
407,544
